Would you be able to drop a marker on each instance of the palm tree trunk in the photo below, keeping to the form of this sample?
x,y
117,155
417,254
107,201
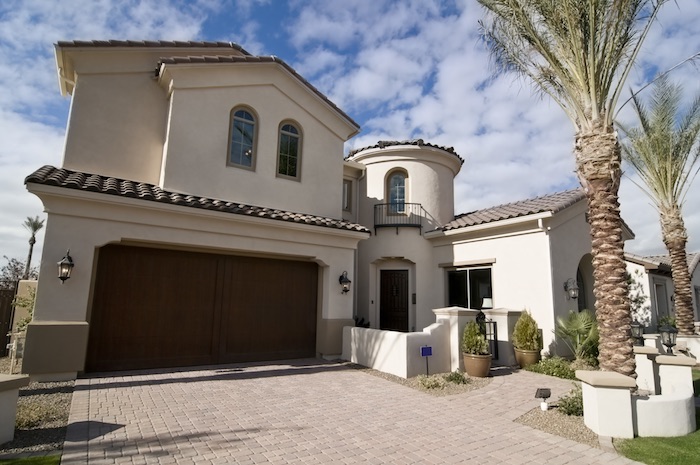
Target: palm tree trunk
x,y
675,237
27,267
598,163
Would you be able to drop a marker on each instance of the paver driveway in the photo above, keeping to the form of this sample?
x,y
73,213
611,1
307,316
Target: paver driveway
x,y
308,411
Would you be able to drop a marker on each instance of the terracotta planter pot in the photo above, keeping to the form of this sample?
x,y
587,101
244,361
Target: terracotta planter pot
x,y
477,365
526,357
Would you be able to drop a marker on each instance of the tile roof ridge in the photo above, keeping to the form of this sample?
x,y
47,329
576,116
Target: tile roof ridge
x,y
150,43
381,144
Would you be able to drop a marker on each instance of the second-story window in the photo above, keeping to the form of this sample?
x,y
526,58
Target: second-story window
x,y
397,192
242,139
289,157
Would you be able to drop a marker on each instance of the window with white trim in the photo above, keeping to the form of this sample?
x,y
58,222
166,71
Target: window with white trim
x,y
289,153
242,138
468,287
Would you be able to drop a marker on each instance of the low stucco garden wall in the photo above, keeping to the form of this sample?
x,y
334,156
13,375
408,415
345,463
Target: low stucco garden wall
x,y
398,353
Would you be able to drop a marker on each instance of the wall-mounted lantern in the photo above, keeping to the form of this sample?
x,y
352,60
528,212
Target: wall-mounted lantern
x,y
637,333
668,337
65,266
344,282
571,288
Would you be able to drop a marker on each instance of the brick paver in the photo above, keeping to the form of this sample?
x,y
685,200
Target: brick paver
x,y
308,412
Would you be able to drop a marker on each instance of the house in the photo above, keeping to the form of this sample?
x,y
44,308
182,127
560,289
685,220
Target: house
x,y
211,217
195,204
653,275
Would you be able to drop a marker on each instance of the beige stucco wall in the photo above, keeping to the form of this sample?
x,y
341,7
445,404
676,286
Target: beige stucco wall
x,y
196,154
521,267
83,222
430,177
116,125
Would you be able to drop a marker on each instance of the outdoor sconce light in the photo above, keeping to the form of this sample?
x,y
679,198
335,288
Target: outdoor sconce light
x,y
544,394
571,288
668,338
344,282
65,266
637,333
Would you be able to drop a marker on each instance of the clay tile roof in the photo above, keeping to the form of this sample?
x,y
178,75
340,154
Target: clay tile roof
x,y
418,142
150,43
174,60
60,177
546,203
663,262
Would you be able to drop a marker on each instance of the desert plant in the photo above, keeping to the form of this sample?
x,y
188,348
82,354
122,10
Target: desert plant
x,y
28,303
526,335
572,403
431,382
579,331
473,342
554,366
667,320
455,377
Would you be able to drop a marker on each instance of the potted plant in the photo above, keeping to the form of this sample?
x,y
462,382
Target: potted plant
x,y
526,340
475,351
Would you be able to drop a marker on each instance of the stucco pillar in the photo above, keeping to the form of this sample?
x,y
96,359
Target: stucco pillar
x,y
457,318
607,403
647,369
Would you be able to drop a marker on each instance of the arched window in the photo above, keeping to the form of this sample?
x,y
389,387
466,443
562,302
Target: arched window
x,y
289,154
242,139
396,192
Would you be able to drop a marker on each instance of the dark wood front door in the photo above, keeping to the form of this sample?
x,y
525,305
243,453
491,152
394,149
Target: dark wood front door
x,y
393,300
155,308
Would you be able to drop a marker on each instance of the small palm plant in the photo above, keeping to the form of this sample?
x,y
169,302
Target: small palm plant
x,y
579,331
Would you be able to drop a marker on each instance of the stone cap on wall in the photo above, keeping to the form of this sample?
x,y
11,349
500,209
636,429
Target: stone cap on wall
x,y
678,360
10,382
606,379
646,350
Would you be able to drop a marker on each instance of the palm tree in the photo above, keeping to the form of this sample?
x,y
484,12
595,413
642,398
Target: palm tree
x,y
33,225
580,53
664,149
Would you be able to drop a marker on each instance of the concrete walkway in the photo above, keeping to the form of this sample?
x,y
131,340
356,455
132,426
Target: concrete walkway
x,y
307,412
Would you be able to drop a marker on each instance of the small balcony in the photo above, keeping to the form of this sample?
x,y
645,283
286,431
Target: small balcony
x,y
398,215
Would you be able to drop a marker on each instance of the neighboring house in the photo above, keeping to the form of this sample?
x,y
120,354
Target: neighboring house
x,y
654,275
210,216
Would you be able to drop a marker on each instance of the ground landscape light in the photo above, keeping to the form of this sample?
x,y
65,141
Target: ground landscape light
x,y
344,282
544,394
571,288
65,266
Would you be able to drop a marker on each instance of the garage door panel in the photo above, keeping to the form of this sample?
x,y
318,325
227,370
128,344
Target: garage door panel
x,y
274,317
156,308
152,308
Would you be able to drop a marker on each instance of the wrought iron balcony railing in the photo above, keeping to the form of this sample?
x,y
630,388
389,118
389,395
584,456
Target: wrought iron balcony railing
x,y
398,215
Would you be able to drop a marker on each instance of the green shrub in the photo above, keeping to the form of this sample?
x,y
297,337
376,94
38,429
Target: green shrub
x,y
554,366
455,378
572,403
526,335
473,341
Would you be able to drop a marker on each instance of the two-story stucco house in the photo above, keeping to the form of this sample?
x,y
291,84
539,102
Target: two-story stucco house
x,y
211,216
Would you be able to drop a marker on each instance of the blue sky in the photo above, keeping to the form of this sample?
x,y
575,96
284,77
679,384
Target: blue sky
x,y
401,69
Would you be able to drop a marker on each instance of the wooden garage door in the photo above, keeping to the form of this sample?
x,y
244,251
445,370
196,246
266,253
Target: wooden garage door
x,y
156,308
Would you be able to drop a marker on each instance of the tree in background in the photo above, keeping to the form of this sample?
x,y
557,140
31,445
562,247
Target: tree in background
x,y
580,53
13,271
33,225
664,150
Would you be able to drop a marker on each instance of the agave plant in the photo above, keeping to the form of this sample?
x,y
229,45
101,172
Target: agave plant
x,y
579,331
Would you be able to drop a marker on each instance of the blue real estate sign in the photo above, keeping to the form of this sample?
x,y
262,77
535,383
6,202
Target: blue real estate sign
x,y
426,351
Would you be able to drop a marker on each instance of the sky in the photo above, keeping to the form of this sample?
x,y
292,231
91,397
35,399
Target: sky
x,y
402,69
